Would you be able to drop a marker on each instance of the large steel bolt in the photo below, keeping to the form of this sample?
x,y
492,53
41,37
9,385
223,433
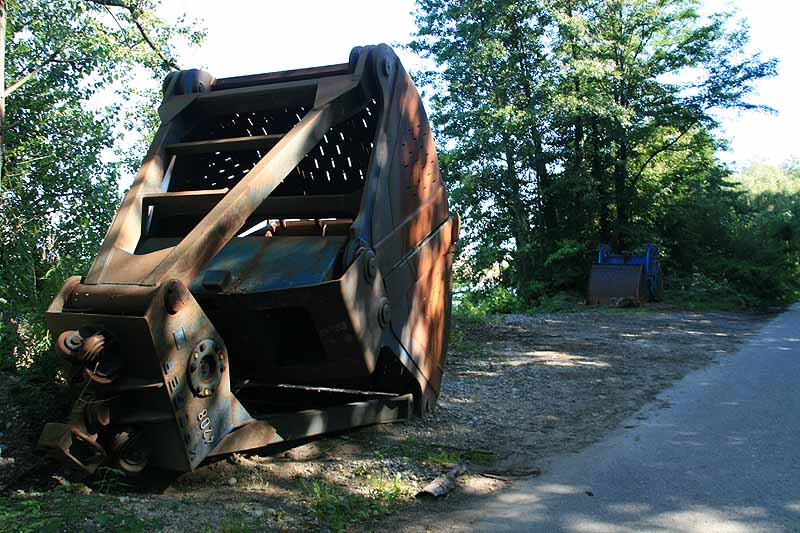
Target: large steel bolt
x,y
205,368
173,297
69,343
384,313
74,342
370,265
387,67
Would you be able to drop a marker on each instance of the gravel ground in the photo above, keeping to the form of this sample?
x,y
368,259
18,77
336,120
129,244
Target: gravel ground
x,y
526,387
516,390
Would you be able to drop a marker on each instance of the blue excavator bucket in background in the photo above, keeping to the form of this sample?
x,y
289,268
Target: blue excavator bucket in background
x,y
625,275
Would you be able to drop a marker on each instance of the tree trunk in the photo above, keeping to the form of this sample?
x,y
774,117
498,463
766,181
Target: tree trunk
x,y
600,181
539,163
578,126
621,194
2,89
543,177
578,215
520,223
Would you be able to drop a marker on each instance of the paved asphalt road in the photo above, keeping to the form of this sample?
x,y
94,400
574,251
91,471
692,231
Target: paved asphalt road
x,y
718,452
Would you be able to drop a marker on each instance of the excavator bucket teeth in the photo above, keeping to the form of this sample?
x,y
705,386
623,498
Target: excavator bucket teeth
x,y
280,268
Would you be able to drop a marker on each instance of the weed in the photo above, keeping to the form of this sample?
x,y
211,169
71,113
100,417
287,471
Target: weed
x,y
236,523
63,511
390,489
469,313
336,509
459,342
110,480
439,454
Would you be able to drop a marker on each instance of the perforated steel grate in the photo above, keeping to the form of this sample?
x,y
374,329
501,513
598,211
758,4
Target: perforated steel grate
x,y
246,124
337,165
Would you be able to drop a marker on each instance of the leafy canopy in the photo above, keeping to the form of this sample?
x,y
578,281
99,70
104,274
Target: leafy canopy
x,y
573,122
82,78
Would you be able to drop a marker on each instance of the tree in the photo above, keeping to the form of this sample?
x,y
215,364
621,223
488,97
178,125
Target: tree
x,y
669,68
69,70
565,119
492,102
762,177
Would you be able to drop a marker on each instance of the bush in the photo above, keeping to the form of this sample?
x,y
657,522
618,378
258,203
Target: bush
x,y
23,338
498,299
466,312
558,303
698,291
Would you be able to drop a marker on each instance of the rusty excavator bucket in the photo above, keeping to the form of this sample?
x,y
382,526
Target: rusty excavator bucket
x,y
280,268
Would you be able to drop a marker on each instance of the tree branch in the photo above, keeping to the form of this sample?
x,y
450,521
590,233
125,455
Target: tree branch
x,y
24,79
661,150
135,12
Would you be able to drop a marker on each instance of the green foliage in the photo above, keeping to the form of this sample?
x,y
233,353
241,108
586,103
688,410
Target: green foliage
x,y
498,299
439,454
61,510
474,307
567,262
337,509
559,302
467,312
733,248
760,177
698,292
74,122
572,123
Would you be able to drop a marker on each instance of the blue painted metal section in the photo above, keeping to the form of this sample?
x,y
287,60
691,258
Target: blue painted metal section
x,y
259,264
649,261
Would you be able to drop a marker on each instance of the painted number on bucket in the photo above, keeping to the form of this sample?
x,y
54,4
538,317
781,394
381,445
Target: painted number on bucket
x,y
205,426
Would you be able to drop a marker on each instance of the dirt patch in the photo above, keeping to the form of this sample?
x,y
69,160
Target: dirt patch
x,y
529,387
25,405
526,387
516,390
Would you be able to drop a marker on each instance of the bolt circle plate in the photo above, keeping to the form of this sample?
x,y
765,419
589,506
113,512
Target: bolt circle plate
x,y
205,367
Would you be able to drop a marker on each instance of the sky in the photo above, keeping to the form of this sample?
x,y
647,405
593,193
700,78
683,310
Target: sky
x,y
253,36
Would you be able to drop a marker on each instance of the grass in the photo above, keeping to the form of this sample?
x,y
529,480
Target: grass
x,y
436,454
689,292
337,508
237,522
459,342
110,481
561,302
458,334
59,510
700,301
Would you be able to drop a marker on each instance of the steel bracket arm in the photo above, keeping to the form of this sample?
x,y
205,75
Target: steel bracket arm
x,y
220,225
337,99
